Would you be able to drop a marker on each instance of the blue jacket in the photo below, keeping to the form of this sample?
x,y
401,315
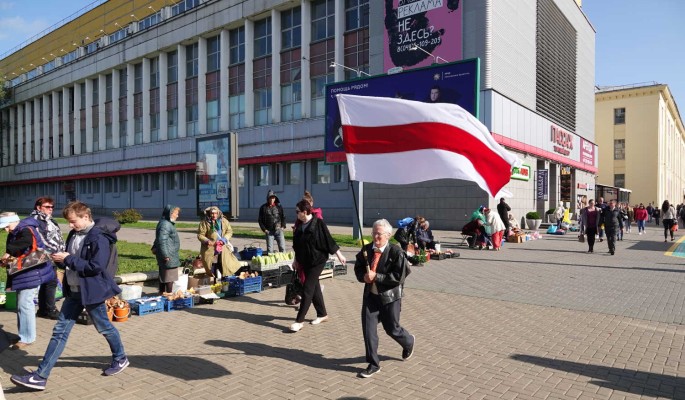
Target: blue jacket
x,y
95,284
34,277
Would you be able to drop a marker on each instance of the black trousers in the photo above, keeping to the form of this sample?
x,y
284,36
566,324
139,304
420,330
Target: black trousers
x,y
611,239
590,233
389,316
46,297
312,293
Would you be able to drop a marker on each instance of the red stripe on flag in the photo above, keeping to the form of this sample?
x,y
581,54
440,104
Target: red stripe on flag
x,y
430,135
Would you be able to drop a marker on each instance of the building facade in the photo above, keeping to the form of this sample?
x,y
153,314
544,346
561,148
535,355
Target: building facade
x,y
110,107
642,142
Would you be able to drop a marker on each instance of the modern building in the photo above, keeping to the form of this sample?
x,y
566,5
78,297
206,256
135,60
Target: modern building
x,y
642,142
129,103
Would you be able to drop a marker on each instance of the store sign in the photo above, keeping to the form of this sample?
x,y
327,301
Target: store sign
x,y
562,140
542,184
582,186
587,152
521,173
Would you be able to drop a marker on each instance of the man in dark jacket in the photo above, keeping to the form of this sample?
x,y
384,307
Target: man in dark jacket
x,y
382,267
612,219
87,284
54,243
503,211
272,222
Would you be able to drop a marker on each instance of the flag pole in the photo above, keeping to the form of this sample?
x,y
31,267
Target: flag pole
x,y
359,222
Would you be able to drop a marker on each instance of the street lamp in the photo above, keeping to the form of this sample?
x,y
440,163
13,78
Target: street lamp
x,y
134,17
152,8
436,59
358,71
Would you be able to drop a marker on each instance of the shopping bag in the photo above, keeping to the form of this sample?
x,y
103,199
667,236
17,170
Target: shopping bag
x,y
294,291
581,238
182,282
674,227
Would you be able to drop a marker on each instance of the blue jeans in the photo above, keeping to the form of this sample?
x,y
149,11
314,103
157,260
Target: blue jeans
x,y
71,309
280,239
640,225
26,315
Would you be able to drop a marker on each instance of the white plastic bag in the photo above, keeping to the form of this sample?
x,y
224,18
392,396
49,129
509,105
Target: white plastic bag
x,y
181,283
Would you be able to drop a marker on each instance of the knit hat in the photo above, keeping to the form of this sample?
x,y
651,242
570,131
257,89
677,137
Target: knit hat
x,y
8,218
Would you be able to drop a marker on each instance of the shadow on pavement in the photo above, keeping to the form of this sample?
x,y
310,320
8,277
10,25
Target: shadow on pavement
x,y
258,319
293,355
580,265
626,380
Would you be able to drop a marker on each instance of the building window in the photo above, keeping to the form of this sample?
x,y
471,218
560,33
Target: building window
x,y
356,14
620,180
291,28
262,38
291,88
262,90
276,174
138,78
339,173
241,176
213,54
108,87
322,172
619,149
236,99
154,73
172,110
318,94
236,51
292,176
213,101
172,67
263,175
323,19
619,116
191,60
192,111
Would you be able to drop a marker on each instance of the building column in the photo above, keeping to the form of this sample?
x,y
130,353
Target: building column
x,y
13,128
249,72
28,115
5,132
275,66
36,129
89,115
20,133
182,124
163,78
202,86
77,118
130,119
55,123
339,44
66,144
115,108
146,100
47,125
102,127
306,83
224,120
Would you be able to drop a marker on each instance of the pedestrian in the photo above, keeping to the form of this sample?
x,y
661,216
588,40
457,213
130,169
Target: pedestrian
x,y
496,226
589,223
624,218
602,207
382,267
631,217
669,216
559,214
87,284
503,211
650,211
656,215
53,242
316,211
272,222
641,218
166,248
613,224
22,239
215,232
312,242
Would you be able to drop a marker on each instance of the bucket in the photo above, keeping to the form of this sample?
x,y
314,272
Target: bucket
x,y
122,314
437,247
11,300
110,314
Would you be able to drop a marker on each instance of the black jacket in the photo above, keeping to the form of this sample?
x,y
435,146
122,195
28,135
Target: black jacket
x,y
389,279
271,218
612,219
313,244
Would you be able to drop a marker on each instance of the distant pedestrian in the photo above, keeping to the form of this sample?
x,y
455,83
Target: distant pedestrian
x,y
602,206
272,222
496,226
503,211
656,215
669,217
589,223
641,218
559,214
650,211
166,248
613,224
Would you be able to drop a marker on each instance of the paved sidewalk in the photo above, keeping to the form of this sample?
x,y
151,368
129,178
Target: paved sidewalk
x,y
537,320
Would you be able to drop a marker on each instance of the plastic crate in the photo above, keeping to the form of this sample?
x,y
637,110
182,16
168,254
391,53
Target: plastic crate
x,y
285,278
248,252
147,305
270,282
178,304
238,287
329,264
339,269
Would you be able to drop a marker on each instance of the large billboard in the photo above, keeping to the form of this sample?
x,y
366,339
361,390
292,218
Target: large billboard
x,y
433,25
216,172
456,83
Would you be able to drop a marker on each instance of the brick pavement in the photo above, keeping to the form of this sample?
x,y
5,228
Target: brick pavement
x,y
538,320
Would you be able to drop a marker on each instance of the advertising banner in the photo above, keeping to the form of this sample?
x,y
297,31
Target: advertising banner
x,y
541,184
212,169
433,25
455,83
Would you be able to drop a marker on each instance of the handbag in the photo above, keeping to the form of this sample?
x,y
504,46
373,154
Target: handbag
x,y
294,291
581,238
35,258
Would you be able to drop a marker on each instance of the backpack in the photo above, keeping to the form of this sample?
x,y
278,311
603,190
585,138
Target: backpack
x,y
110,226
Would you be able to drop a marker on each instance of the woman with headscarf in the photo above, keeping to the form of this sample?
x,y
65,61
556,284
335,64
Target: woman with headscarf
x,y
214,233
166,247
496,225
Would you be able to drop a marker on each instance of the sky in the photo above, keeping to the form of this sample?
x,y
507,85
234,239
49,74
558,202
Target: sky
x,y
636,41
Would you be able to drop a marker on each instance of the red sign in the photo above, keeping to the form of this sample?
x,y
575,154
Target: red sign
x,y
587,152
562,140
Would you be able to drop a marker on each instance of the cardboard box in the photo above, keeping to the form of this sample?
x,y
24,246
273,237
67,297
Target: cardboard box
x,y
515,239
199,280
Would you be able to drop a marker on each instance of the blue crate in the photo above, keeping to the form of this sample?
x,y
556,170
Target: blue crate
x,y
248,252
148,306
238,287
178,304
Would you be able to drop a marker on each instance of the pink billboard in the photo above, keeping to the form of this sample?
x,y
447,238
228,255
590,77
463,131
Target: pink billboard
x,y
414,28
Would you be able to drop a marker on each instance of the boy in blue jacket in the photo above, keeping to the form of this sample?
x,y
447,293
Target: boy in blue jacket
x,y
87,284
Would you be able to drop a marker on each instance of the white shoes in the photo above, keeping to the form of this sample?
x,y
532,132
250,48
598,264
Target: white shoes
x,y
319,320
295,327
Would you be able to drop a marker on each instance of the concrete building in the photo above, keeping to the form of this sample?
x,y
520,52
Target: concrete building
x,y
642,142
113,106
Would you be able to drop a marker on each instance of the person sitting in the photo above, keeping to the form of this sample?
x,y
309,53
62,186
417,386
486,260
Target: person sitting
x,y
475,230
513,225
424,236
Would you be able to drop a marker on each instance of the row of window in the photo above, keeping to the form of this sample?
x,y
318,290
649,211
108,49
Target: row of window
x,y
291,173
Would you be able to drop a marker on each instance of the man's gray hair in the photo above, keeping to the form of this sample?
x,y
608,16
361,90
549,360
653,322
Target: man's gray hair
x,y
383,223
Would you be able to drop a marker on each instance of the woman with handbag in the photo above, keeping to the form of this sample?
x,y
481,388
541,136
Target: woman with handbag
x,y
312,242
668,215
166,247
23,240
589,223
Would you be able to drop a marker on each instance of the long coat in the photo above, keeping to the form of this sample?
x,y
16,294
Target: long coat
x,y
205,232
167,242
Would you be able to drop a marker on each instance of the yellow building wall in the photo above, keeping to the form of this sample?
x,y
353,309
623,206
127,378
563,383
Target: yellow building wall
x,y
82,31
654,143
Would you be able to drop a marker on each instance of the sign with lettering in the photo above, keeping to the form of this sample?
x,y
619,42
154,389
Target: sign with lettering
x,y
562,140
541,184
587,152
521,173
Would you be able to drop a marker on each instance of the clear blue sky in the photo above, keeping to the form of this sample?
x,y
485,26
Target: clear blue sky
x,y
636,41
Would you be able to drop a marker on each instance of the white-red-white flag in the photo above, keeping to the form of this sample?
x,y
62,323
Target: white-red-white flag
x,y
398,141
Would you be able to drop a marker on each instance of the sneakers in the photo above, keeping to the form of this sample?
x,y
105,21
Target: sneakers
x,y
295,327
31,381
20,345
407,353
117,367
319,320
369,371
